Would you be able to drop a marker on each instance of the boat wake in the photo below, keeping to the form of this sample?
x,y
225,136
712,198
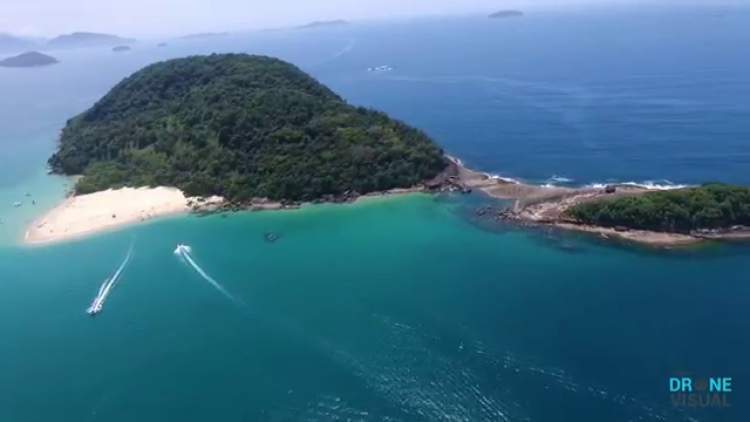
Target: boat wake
x,y
185,253
109,283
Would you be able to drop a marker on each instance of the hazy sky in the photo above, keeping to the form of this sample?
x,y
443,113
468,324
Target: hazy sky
x,y
175,17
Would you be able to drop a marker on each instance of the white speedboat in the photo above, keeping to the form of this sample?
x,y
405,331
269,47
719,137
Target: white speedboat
x,y
181,249
95,307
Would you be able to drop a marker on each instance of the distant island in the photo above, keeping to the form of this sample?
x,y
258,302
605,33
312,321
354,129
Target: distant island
x,y
30,59
121,48
204,35
323,24
506,14
88,39
241,127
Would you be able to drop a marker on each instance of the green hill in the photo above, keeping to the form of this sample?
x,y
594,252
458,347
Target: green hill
x,y
240,126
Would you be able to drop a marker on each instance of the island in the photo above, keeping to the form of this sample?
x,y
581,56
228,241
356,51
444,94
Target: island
x,y
324,24
121,48
663,218
255,131
30,59
87,39
506,14
204,35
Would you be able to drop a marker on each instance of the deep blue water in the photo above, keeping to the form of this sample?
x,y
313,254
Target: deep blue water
x,y
589,97
404,310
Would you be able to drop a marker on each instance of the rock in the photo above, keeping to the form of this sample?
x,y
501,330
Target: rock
x,y
271,237
610,189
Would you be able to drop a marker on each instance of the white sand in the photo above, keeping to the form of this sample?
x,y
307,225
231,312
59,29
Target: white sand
x,y
88,214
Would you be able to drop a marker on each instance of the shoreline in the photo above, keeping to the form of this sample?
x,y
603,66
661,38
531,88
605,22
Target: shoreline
x,y
85,215
80,216
545,206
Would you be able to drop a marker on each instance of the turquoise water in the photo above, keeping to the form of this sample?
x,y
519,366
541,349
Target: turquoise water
x,y
397,308
409,308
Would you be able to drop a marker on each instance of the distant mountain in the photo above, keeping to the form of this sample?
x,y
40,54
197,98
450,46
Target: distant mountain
x,y
88,39
204,35
14,44
323,24
506,14
30,59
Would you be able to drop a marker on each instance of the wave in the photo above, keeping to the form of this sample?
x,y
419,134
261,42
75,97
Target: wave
x,y
185,252
109,283
502,178
648,184
559,179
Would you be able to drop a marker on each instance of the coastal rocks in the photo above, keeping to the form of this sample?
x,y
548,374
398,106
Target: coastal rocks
x,y
448,181
271,237
483,211
348,196
205,205
736,232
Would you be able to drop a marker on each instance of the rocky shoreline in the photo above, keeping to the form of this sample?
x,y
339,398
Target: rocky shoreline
x,y
532,206
455,178
538,206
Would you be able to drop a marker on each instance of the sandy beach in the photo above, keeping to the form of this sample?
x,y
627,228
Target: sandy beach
x,y
82,215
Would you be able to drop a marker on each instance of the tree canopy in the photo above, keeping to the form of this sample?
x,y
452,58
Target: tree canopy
x,y
239,126
711,206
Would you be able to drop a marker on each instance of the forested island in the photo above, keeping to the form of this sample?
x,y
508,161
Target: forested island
x,y
634,213
705,208
30,59
240,127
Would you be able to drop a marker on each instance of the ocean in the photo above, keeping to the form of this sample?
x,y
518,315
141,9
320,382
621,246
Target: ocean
x,y
408,308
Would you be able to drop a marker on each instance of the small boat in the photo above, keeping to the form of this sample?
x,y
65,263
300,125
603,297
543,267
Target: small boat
x,y
17,204
94,309
181,249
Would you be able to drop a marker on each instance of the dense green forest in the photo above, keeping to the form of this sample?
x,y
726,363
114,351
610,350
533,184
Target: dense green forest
x,y
707,207
239,126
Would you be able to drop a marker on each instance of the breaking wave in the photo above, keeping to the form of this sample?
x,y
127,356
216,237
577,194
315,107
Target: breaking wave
x,y
558,180
648,184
